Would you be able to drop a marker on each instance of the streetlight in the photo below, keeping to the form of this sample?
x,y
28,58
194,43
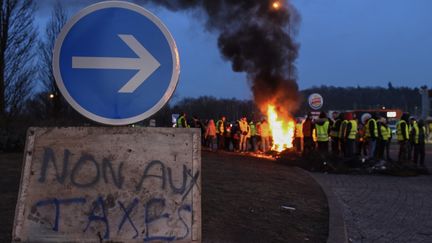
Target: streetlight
x,y
276,5
51,96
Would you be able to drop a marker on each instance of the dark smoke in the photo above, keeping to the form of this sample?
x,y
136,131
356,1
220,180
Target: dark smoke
x,y
256,39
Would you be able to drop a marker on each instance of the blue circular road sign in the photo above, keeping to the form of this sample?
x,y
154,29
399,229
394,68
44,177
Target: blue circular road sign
x,y
116,63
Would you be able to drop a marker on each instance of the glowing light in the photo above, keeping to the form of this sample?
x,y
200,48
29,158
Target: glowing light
x,y
391,114
276,5
51,96
282,131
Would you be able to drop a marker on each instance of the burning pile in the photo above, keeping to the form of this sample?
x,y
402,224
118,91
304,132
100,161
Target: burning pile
x,y
282,130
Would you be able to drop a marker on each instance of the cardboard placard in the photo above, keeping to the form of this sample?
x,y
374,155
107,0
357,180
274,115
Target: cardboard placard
x,y
110,184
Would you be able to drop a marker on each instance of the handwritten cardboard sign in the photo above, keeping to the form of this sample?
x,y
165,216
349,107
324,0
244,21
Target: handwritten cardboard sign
x,y
110,184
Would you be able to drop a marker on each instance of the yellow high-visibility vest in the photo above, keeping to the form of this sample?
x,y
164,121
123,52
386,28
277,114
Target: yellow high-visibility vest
x,y
367,132
220,127
417,133
353,131
399,131
322,132
180,122
334,133
385,133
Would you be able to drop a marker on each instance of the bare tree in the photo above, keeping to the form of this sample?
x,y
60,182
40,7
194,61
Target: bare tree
x,y
17,41
57,21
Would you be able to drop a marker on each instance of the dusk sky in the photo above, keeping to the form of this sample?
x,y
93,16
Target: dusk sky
x,y
343,43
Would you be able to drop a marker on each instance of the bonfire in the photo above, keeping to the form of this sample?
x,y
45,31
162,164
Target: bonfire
x,y
282,130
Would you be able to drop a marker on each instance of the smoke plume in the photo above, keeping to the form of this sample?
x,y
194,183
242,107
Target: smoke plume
x,y
257,38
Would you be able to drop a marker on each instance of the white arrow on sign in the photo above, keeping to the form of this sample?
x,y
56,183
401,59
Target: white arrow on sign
x,y
145,63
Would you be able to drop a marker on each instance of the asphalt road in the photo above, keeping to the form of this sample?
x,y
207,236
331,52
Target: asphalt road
x,y
380,208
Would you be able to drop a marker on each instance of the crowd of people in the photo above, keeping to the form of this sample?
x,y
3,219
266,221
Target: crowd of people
x,y
344,135
238,136
341,135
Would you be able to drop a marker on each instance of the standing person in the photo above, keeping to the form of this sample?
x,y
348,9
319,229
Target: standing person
x,y
383,137
342,130
258,136
371,135
253,132
308,127
322,131
210,134
359,139
350,134
220,131
298,135
228,136
235,134
411,143
402,133
198,124
244,131
182,121
388,143
334,132
419,143
265,136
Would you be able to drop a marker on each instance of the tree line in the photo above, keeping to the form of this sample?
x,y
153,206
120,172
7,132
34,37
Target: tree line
x,y
335,98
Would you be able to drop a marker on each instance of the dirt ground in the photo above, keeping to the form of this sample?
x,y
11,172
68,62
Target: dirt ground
x,y
244,199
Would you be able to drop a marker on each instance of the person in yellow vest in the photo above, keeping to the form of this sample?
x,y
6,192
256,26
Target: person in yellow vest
x,y
298,135
342,129
253,137
383,137
334,132
350,134
182,121
386,135
322,126
371,135
388,143
402,133
419,142
412,123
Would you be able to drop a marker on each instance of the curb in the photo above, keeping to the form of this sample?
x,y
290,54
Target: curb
x,y
337,227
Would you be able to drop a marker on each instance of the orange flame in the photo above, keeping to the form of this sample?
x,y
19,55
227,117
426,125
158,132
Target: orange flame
x,y
282,131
